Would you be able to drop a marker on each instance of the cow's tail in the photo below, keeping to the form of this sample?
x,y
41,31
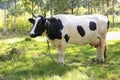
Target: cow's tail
x,y
105,50
108,25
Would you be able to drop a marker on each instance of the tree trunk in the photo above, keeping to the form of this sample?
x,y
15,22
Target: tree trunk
x,y
32,8
88,3
107,7
39,7
5,16
14,28
101,6
72,9
113,13
91,6
51,10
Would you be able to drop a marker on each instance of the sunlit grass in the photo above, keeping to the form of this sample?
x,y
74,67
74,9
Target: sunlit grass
x,y
114,29
26,59
13,40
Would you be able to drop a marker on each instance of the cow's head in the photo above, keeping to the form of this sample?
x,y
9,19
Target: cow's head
x,y
38,26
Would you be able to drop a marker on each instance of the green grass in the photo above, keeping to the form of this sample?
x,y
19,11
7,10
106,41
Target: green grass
x,y
115,29
24,58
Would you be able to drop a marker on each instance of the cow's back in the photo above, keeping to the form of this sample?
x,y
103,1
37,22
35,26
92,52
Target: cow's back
x,y
101,20
77,27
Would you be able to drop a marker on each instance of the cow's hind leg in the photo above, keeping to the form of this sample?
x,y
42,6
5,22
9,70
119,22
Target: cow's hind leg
x,y
101,49
98,49
100,44
104,50
97,44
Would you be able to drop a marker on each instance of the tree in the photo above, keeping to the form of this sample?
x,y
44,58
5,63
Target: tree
x,y
113,12
5,16
42,6
73,4
14,28
88,7
29,5
51,8
91,6
35,6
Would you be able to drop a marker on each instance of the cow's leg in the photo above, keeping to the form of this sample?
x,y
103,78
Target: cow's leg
x,y
61,52
61,47
98,49
100,44
103,50
97,44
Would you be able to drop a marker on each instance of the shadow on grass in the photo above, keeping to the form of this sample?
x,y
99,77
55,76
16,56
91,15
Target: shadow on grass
x,y
14,34
35,68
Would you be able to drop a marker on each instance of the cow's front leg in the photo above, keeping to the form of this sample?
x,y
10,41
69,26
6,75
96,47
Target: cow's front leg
x,y
61,47
61,53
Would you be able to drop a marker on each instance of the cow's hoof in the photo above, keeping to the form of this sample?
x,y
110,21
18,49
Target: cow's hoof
x,y
61,63
95,60
102,61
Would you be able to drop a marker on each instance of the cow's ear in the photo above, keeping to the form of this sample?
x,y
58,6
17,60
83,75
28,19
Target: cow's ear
x,y
31,20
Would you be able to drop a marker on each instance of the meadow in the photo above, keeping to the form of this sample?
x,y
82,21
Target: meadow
x,y
23,58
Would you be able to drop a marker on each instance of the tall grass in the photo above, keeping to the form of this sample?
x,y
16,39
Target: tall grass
x,y
22,24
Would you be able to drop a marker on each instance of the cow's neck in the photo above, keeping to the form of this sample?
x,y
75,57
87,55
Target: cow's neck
x,y
53,29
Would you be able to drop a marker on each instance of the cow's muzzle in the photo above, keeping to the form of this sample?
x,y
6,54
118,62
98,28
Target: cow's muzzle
x,y
33,35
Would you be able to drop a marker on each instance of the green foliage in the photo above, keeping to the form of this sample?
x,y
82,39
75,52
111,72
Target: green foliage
x,y
1,19
77,7
26,59
116,26
22,24
19,9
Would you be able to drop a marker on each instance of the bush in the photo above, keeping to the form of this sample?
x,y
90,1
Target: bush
x,y
22,24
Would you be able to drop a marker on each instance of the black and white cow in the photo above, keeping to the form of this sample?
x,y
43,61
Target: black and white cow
x,y
63,29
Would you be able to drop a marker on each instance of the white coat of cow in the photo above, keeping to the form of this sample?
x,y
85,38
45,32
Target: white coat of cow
x,y
63,29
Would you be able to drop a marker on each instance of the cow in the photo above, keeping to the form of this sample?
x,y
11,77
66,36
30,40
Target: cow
x,y
63,29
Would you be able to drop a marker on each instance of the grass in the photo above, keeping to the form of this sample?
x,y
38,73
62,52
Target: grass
x,y
23,58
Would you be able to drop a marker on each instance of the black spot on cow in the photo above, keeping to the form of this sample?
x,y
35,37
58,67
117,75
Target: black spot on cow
x,y
66,37
81,30
54,28
92,25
